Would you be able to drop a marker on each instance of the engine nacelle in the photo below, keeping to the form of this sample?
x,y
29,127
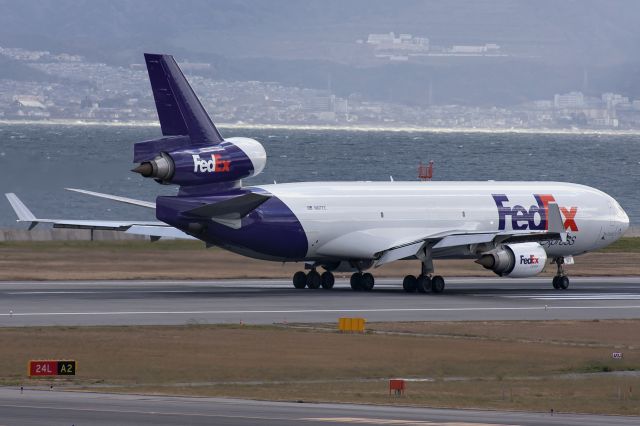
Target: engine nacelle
x,y
515,260
229,161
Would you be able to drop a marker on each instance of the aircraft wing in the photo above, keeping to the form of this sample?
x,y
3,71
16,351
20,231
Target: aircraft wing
x,y
455,239
153,229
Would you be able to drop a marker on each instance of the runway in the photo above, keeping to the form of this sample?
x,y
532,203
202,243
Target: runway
x,y
275,301
37,407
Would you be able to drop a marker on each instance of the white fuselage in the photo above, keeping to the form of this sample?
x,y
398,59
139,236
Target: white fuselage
x,y
357,220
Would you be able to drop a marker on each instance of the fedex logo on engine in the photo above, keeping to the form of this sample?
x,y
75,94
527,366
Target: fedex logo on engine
x,y
531,260
534,217
215,164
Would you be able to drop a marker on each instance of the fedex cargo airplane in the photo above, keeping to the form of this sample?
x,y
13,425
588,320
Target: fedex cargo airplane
x,y
510,228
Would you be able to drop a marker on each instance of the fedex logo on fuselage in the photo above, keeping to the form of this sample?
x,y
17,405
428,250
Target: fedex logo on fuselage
x,y
533,218
215,164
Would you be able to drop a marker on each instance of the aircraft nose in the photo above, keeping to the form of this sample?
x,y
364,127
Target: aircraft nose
x,y
621,218
624,222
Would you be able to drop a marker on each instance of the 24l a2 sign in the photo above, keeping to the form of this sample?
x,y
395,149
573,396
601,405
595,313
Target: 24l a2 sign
x,y
52,368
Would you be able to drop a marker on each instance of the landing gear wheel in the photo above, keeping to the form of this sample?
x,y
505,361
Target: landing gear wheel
x,y
299,280
368,282
424,284
563,282
560,281
356,281
410,283
437,284
313,280
327,280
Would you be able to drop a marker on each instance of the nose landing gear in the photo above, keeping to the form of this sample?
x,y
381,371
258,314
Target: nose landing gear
x,y
561,280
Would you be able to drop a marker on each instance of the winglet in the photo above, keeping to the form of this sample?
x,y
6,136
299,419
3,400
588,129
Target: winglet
x,y
555,222
22,211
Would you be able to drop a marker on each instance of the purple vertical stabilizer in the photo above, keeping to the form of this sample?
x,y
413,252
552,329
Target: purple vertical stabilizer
x,y
179,110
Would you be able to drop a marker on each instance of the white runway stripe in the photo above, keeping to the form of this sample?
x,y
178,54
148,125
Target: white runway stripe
x,y
394,422
572,296
303,311
202,290
100,292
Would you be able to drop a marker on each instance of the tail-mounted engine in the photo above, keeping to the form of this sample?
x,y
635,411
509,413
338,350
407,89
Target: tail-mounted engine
x,y
193,152
515,260
187,165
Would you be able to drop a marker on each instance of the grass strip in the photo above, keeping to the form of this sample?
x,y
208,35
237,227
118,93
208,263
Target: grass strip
x,y
522,360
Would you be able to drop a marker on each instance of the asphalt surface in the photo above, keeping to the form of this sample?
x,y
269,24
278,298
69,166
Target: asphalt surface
x,y
276,301
37,407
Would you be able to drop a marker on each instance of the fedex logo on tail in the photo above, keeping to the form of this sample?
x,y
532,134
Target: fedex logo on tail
x,y
533,218
215,164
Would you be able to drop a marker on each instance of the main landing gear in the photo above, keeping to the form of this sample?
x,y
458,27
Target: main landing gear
x,y
561,280
425,282
362,282
313,280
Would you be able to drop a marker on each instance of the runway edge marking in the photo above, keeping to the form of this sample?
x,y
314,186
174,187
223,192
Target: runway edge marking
x,y
302,311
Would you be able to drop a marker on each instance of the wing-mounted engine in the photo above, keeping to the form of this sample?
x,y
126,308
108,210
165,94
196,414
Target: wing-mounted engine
x,y
515,260
231,160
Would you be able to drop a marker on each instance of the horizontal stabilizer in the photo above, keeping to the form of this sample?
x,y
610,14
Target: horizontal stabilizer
x,y
151,228
179,110
125,200
229,212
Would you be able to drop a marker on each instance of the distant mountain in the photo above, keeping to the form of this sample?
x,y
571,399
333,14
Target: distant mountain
x,y
308,43
313,29
15,70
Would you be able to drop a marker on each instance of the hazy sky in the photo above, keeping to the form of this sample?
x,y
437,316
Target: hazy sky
x,y
552,45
